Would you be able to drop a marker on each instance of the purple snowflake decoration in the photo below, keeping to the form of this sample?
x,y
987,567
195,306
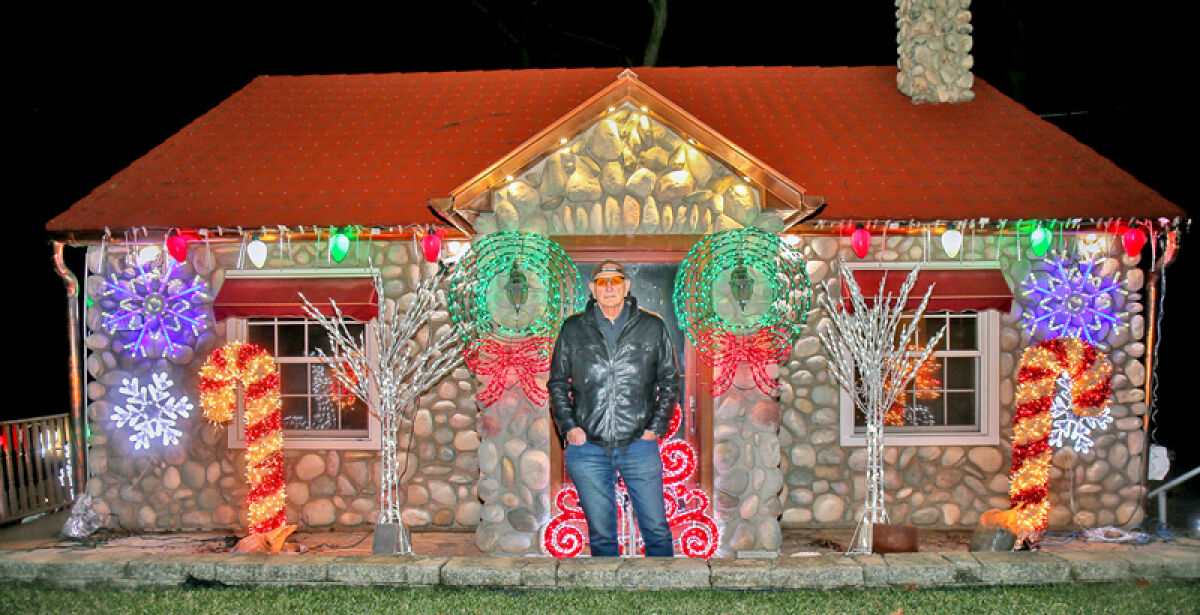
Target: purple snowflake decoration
x,y
1071,299
159,309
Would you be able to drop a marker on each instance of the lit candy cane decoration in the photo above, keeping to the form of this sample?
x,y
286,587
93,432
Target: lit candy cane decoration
x,y
253,368
1044,367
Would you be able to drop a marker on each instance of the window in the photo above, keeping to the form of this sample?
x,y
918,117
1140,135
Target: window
x,y
317,411
954,397
265,309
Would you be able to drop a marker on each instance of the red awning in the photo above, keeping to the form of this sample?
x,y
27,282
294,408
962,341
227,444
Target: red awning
x,y
957,290
258,297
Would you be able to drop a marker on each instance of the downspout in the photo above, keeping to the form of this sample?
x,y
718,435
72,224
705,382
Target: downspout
x,y
1151,338
75,377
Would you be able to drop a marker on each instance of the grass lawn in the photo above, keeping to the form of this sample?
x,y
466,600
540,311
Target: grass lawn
x,y
1071,598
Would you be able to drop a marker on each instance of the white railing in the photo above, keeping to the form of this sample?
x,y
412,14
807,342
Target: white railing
x,y
35,466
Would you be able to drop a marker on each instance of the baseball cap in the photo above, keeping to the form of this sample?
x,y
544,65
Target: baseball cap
x,y
608,266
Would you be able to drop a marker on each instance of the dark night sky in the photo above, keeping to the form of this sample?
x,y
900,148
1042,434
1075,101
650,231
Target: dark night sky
x,y
96,91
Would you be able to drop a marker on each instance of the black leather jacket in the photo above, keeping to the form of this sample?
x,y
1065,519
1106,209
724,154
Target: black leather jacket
x,y
615,399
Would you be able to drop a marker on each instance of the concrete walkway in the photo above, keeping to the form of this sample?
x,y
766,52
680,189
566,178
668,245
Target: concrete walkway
x,y
33,554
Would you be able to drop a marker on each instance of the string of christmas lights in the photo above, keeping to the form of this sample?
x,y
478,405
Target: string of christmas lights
x,y
254,370
1038,378
498,360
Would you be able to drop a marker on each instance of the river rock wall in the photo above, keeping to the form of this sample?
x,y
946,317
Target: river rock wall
x,y
949,485
200,482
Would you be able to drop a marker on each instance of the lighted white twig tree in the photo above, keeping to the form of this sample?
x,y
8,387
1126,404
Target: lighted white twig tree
x,y
870,360
389,379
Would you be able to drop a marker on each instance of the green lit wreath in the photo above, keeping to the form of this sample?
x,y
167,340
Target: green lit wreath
x,y
739,282
515,285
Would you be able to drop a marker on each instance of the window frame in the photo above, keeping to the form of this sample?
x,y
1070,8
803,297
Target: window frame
x,y
237,330
987,397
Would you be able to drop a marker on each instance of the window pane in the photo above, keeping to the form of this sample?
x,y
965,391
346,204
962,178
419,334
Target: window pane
x,y
293,378
960,372
960,409
933,411
962,334
929,378
291,341
318,337
295,413
262,336
355,416
325,412
930,325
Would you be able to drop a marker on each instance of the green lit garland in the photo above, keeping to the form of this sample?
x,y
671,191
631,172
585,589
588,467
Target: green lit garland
x,y
704,298
478,288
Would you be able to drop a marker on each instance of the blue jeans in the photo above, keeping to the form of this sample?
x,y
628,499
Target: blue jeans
x,y
594,470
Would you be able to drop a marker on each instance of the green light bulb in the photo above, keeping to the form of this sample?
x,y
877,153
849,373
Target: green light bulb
x,y
1039,241
339,246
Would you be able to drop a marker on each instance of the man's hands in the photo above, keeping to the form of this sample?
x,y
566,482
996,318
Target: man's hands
x,y
576,437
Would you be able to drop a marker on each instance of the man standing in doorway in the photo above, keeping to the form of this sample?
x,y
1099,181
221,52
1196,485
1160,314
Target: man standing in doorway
x,y
613,387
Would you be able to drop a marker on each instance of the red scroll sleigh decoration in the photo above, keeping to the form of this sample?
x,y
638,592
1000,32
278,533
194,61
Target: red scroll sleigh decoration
x,y
723,351
695,533
498,360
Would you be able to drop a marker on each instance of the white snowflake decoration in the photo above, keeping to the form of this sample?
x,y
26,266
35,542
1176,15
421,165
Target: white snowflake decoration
x,y
151,411
1072,427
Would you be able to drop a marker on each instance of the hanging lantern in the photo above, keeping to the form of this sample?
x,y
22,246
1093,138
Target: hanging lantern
x,y
431,245
741,285
1039,241
257,251
951,242
177,247
1133,240
339,246
860,240
517,287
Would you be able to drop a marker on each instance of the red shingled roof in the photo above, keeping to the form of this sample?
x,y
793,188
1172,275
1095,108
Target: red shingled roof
x,y
373,149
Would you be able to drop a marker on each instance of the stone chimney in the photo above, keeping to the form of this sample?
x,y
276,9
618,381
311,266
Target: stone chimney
x,y
934,47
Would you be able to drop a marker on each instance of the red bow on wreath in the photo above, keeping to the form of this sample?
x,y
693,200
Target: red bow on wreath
x,y
499,359
724,351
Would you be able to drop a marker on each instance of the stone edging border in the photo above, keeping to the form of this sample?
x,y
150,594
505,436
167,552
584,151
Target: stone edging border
x,y
73,569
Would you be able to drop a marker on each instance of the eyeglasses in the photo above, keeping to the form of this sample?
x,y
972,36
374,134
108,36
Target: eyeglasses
x,y
616,280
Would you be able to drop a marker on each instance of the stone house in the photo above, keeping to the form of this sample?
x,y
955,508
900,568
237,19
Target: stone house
x,y
638,166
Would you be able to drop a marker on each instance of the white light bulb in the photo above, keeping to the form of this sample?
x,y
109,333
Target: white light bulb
x,y
951,242
257,251
148,254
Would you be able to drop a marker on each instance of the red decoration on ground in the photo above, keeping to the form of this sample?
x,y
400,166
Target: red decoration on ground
x,y
254,369
696,534
724,351
498,360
